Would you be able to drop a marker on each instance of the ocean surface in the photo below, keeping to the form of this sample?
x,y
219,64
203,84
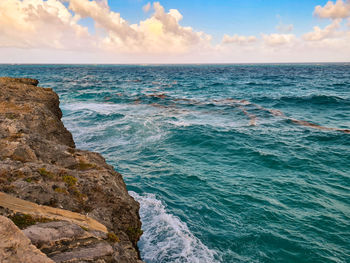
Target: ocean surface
x,y
230,163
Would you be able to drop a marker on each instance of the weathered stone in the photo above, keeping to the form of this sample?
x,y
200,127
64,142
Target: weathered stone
x,y
39,211
39,163
15,247
47,234
123,253
27,81
65,241
90,253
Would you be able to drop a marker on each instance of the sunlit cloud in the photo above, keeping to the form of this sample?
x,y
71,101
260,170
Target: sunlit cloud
x,y
236,39
327,32
161,33
36,23
334,36
278,39
56,25
339,9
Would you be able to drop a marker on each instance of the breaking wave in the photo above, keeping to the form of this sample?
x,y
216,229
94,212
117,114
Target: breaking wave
x,y
166,238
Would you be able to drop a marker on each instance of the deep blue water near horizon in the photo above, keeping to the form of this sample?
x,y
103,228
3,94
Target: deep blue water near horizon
x,y
217,156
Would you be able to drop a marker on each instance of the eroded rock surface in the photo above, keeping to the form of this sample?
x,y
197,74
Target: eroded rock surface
x,y
16,247
39,163
67,242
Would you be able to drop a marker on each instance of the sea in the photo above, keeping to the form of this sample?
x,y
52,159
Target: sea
x,y
230,163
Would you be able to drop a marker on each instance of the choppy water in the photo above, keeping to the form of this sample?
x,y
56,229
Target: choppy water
x,y
231,163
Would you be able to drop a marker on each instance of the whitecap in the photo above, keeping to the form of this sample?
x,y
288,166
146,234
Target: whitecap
x,y
102,108
166,238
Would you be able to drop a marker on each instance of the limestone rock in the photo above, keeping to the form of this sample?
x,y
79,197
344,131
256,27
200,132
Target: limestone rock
x,y
39,163
67,242
48,234
101,250
16,247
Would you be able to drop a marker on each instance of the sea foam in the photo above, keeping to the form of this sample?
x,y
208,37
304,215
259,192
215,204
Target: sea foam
x,y
166,238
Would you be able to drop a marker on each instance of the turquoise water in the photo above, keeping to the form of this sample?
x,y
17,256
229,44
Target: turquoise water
x,y
225,159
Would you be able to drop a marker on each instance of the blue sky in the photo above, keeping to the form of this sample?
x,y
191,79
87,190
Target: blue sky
x,y
182,31
219,17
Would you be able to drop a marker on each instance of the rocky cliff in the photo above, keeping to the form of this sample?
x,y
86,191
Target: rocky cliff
x,y
70,203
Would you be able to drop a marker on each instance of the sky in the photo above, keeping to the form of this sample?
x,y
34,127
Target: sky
x,y
182,31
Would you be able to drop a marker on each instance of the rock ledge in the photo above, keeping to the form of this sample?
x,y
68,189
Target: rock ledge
x,y
76,207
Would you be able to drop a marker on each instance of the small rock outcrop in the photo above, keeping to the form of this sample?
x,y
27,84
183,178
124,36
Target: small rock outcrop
x,y
46,183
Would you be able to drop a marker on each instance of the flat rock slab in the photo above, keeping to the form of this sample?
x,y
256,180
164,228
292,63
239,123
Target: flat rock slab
x,y
90,253
47,234
26,207
15,247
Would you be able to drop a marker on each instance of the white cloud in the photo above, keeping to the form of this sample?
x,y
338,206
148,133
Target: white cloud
x,y
278,39
160,33
320,34
339,9
332,39
50,29
36,23
49,24
236,39
110,21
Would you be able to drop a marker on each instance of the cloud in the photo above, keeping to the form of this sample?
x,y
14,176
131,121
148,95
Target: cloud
x,y
52,29
339,9
278,39
147,7
110,21
236,39
160,33
50,24
284,28
36,23
320,34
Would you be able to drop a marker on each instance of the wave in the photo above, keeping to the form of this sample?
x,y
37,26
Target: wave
x,y
307,99
166,238
315,99
101,108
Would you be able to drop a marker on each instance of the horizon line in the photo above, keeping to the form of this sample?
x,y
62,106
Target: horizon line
x,y
186,63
